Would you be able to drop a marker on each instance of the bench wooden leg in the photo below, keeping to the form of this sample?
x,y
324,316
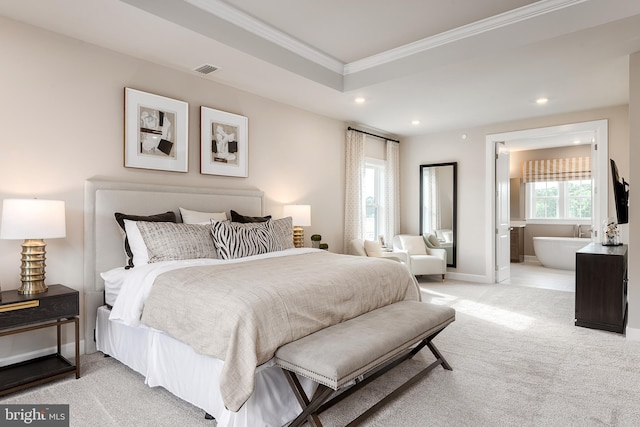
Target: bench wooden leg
x,y
325,397
309,407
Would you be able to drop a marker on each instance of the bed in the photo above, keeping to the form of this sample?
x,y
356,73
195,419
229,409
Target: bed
x,y
245,389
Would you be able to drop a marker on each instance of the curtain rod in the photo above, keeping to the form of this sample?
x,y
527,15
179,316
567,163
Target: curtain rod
x,y
373,134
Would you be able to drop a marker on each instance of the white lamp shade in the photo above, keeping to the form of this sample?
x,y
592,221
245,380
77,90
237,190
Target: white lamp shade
x,y
32,219
300,214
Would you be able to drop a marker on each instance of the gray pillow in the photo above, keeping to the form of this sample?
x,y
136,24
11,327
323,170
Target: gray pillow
x,y
167,241
283,233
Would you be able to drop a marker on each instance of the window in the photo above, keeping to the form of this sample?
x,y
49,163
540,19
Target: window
x,y
559,200
372,185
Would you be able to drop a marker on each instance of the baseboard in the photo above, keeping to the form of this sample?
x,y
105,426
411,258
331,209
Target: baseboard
x,y
68,351
632,334
531,259
476,278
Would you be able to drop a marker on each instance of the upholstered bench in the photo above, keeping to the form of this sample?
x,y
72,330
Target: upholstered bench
x,y
346,356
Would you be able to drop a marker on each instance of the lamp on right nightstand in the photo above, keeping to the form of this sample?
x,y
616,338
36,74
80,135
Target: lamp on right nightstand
x,y
301,217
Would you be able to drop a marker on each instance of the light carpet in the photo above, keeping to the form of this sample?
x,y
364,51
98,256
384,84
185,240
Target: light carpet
x,y
517,360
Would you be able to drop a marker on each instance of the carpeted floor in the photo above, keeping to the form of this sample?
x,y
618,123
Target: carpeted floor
x,y
517,360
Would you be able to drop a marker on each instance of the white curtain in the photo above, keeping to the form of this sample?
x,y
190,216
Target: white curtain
x,y
391,225
354,165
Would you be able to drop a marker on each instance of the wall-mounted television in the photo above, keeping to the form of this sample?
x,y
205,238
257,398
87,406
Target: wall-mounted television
x,y
620,194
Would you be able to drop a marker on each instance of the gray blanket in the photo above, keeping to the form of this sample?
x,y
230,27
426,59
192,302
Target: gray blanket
x,y
242,312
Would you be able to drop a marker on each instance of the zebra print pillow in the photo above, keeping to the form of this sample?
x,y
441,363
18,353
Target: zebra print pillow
x,y
237,240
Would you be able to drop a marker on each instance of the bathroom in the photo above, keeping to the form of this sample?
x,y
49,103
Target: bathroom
x,y
549,241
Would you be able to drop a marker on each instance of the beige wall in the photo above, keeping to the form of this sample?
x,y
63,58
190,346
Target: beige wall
x,y
633,325
473,209
62,123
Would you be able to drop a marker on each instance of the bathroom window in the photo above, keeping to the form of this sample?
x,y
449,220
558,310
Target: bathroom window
x,y
559,200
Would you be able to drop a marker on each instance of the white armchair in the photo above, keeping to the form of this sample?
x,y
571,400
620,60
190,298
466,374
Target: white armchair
x,y
372,249
421,259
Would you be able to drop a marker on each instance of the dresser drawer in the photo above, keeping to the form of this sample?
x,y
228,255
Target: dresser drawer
x,y
58,302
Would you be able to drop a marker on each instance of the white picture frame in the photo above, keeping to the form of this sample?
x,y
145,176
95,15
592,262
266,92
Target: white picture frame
x,y
224,143
156,132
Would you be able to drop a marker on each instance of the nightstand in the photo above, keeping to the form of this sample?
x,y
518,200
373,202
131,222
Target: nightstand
x,y
23,313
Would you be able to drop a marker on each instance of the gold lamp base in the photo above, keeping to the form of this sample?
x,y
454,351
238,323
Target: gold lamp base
x,y
298,236
32,267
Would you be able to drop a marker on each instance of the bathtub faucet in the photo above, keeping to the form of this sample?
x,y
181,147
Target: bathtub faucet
x,y
581,233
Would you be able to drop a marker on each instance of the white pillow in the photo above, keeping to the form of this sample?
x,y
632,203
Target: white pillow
x,y
414,245
372,248
136,243
195,217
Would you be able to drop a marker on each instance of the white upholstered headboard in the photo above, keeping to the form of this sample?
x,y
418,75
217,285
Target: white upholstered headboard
x,y
103,246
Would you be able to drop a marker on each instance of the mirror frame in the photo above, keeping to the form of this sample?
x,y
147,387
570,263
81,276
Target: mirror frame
x,y
454,209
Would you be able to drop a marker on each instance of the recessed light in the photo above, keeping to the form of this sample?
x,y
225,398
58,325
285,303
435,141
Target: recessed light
x,y
415,122
464,136
360,100
542,101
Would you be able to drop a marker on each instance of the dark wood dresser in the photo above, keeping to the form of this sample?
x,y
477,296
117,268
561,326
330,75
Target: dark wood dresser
x,y
601,287
58,306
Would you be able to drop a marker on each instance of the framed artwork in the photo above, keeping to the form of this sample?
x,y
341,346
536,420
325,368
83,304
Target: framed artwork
x,y
224,143
156,134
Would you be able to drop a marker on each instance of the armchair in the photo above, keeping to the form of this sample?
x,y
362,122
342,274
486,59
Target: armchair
x,y
422,260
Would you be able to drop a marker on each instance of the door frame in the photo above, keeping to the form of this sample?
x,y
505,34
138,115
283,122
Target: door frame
x,y
599,166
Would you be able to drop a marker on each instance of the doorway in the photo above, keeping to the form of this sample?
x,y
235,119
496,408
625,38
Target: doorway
x,y
554,136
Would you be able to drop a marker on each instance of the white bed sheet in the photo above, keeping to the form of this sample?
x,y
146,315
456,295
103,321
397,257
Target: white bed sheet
x,y
173,365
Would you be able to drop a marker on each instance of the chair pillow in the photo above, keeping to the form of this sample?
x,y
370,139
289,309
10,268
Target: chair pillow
x,y
372,248
431,241
414,245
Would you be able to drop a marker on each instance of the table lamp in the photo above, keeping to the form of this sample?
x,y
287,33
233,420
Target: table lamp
x,y
301,216
32,220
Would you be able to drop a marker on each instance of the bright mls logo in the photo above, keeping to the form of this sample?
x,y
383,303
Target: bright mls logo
x,y
34,415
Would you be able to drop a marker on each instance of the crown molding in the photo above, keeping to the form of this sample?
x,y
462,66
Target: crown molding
x,y
249,23
502,20
255,26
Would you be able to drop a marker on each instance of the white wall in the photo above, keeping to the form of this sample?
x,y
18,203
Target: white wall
x,y
62,123
473,209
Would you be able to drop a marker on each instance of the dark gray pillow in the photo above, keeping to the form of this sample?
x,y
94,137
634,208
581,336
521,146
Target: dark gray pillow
x,y
236,217
169,216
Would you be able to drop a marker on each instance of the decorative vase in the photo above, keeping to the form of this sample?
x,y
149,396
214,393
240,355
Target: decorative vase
x,y
315,241
610,232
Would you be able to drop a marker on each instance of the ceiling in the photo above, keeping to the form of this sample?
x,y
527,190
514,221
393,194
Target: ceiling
x,y
451,64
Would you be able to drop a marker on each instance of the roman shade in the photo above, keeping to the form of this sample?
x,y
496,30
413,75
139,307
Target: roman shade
x,y
567,169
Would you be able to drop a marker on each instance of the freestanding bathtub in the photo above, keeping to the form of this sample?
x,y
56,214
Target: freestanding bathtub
x,y
558,252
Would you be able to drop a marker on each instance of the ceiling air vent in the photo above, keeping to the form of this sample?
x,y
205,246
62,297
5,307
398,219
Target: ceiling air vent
x,y
206,69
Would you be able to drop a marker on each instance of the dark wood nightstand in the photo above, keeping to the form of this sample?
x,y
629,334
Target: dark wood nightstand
x,y
23,313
